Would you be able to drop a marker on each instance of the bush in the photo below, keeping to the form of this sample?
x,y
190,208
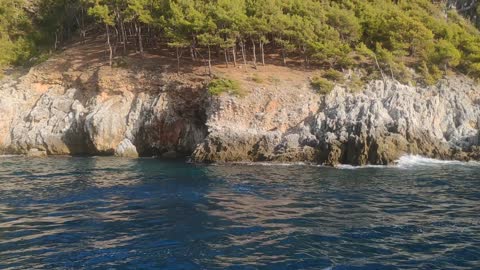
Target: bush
x,y
429,75
221,85
446,55
355,84
334,75
322,85
402,73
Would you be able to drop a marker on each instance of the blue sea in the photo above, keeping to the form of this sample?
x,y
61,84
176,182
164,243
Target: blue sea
x,y
113,213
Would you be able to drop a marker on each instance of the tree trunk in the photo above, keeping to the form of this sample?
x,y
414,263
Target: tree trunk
x,y
117,36
192,54
379,68
305,57
56,41
391,71
226,56
140,42
284,57
234,52
178,61
254,54
263,53
192,49
209,61
134,35
117,39
83,32
242,45
109,45
124,34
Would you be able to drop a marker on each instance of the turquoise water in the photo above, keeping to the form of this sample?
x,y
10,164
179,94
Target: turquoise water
x,y
108,213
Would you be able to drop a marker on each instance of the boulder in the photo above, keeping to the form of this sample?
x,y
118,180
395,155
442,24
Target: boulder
x,y
126,149
34,152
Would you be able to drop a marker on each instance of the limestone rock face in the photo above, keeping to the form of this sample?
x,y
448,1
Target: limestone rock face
x,y
105,111
375,126
114,112
53,124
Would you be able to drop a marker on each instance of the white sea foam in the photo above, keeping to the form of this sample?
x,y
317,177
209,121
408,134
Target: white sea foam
x,y
351,167
419,161
283,164
409,161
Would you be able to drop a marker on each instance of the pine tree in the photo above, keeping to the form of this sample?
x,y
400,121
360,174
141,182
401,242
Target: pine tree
x,y
103,13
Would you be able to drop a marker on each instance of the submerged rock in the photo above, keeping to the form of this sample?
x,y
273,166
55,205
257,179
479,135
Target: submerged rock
x,y
36,153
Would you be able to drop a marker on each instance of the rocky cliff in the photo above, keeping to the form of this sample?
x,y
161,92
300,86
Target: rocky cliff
x,y
101,111
375,126
104,111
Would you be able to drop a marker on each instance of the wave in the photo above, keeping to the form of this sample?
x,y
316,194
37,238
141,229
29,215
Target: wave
x,y
352,167
410,161
285,164
407,161
416,161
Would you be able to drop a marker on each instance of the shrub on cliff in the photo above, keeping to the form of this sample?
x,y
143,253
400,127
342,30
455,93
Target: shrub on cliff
x,y
222,85
322,85
334,75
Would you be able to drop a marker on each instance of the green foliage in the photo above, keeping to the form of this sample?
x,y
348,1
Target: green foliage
x,y
322,85
355,84
222,85
345,23
430,75
334,75
16,45
102,12
393,37
445,54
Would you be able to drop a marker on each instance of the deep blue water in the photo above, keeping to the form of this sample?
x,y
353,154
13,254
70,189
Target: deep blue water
x,y
108,213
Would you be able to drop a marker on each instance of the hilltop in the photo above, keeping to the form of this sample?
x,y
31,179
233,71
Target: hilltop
x,y
415,41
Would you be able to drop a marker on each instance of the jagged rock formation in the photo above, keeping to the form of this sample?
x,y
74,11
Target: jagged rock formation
x,y
104,111
376,126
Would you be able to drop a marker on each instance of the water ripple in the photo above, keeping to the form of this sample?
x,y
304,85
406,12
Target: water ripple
x,y
88,213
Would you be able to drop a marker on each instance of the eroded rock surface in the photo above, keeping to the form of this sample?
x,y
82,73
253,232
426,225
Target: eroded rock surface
x,y
105,111
375,126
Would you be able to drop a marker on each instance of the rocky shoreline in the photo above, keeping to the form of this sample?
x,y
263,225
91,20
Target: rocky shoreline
x,y
377,126
104,111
